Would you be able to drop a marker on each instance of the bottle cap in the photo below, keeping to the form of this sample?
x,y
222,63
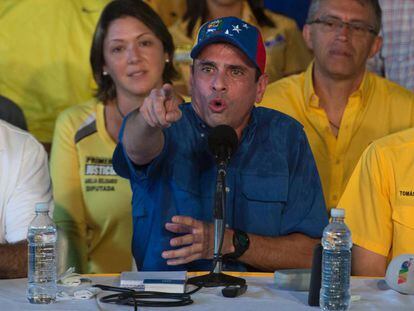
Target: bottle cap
x,y
42,207
337,212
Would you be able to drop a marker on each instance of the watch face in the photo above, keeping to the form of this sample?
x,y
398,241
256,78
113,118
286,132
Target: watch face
x,y
243,239
241,242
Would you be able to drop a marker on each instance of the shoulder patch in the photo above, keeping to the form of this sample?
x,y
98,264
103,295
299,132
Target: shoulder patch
x,y
88,128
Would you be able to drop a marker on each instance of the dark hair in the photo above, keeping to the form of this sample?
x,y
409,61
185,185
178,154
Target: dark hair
x,y
374,4
118,9
198,9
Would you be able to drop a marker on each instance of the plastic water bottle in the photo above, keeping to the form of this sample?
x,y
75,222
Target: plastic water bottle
x,y
42,268
336,263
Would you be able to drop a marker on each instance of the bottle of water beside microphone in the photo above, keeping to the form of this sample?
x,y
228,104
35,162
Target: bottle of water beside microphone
x,y
336,264
42,263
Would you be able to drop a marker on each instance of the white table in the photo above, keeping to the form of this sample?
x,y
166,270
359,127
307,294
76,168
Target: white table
x,y
260,296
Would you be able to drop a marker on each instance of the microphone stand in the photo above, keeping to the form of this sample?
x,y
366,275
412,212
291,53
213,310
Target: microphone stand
x,y
216,278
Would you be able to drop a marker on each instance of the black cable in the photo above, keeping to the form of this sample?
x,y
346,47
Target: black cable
x,y
126,296
137,299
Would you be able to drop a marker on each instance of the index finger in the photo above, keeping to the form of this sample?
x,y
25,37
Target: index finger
x,y
168,91
185,220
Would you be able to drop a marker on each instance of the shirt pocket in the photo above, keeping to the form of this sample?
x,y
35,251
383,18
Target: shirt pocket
x,y
403,230
185,188
263,201
404,215
185,177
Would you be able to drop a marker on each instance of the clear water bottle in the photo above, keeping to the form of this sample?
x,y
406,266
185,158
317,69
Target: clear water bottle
x,y
42,268
336,264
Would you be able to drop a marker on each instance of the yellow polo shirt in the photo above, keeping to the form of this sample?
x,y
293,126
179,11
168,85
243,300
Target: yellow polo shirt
x,y
169,10
378,108
92,203
379,198
286,51
44,57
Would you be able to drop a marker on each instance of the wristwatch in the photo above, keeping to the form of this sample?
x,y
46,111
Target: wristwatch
x,y
241,243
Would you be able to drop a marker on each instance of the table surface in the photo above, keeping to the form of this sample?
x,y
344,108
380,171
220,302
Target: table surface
x,y
261,293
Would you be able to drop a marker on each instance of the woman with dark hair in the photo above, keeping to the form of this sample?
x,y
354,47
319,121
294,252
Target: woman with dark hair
x,y
131,54
285,48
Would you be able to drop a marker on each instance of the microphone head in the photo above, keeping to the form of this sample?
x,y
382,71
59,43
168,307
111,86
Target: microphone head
x,y
400,274
223,142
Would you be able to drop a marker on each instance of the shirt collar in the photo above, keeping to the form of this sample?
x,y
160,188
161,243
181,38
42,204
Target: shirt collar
x,y
247,15
195,29
250,129
247,132
199,123
312,99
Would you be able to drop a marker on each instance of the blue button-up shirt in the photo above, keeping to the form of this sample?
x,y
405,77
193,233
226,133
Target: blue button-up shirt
x,y
273,187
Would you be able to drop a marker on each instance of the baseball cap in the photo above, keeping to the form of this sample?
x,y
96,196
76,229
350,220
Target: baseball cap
x,y
235,31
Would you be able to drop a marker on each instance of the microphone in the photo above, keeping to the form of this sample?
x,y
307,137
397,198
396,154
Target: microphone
x,y
223,142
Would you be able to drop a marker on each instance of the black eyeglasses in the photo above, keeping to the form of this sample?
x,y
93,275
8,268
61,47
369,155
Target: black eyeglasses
x,y
335,24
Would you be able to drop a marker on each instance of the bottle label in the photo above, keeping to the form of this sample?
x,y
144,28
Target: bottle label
x,y
336,268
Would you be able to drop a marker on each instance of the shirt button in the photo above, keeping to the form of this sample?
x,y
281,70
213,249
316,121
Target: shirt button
x,y
227,189
203,126
227,226
338,161
334,197
202,135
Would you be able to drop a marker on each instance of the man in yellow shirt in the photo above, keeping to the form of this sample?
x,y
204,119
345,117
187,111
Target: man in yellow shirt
x,y
342,107
379,204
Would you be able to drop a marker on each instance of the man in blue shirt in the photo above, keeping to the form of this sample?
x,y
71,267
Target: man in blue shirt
x,y
275,209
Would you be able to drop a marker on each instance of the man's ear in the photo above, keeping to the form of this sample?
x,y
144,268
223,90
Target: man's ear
x,y
261,87
191,74
376,46
306,32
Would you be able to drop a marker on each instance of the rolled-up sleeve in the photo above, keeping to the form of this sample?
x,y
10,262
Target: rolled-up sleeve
x,y
33,186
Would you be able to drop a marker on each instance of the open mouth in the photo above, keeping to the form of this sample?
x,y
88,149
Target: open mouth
x,y
217,105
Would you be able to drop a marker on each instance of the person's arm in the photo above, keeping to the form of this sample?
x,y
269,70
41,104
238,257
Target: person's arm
x,y
368,213
284,252
69,213
265,253
367,263
143,138
32,186
13,260
304,217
